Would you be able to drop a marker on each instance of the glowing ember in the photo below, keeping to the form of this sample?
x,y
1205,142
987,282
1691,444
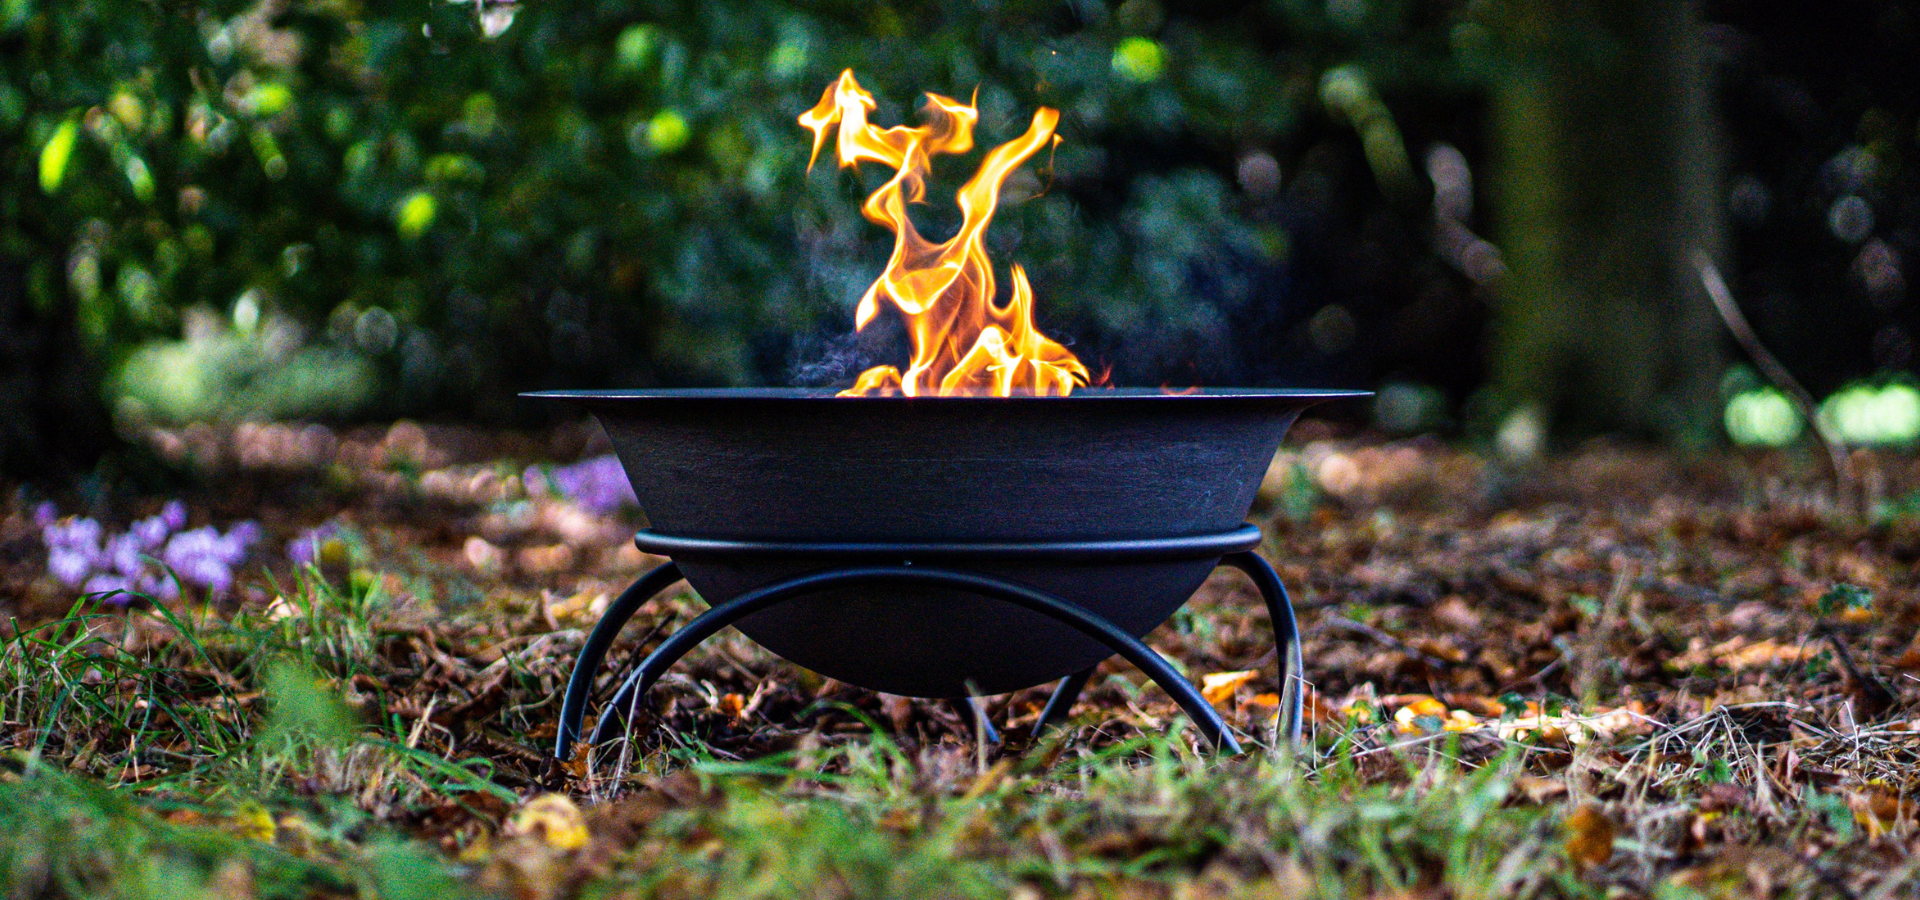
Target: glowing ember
x,y
963,342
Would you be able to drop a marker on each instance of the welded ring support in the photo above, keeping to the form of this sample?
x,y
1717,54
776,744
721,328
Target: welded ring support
x,y
1125,645
1232,548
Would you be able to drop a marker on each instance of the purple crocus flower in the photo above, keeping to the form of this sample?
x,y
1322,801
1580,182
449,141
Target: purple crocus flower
x,y
73,549
117,587
598,485
70,566
75,533
127,563
159,585
240,539
199,557
207,558
45,514
150,533
125,555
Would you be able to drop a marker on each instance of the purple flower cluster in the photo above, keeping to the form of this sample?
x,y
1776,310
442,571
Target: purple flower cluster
x,y
599,485
80,553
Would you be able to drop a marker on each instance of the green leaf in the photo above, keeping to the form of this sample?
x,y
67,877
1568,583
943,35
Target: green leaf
x,y
56,154
1844,596
636,45
269,98
1139,59
14,13
416,214
668,131
140,178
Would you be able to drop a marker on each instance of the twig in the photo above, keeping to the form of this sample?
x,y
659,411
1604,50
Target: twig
x,y
1770,366
1876,694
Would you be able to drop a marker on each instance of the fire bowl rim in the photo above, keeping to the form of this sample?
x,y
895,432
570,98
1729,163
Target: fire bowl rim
x,y
1203,546
828,395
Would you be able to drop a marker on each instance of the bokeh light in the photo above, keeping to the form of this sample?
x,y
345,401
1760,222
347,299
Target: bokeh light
x,y
1763,418
1870,416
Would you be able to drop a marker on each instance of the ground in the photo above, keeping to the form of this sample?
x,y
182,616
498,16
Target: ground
x,y
1612,673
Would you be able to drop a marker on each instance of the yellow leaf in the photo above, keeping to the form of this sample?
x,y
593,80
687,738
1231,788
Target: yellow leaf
x,y
1589,836
554,819
1424,706
252,821
1219,686
1407,718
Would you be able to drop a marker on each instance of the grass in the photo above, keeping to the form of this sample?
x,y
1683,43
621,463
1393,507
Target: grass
x,y
381,734
175,755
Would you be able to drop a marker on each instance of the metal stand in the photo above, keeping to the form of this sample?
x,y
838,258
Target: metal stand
x,y
1236,547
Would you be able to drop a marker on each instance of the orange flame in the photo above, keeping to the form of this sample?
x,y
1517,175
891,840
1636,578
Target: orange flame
x,y
963,342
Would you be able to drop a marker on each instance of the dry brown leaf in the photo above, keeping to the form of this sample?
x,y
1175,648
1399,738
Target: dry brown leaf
x,y
1539,790
1739,655
1589,836
1877,809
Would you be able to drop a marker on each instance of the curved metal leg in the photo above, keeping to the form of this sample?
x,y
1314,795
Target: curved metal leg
x,y
1293,671
1062,701
573,709
975,712
1122,643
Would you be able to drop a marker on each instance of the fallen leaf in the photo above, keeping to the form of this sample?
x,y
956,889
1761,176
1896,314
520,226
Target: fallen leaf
x,y
251,821
1539,790
1219,686
1407,718
1877,809
546,560
1589,836
1739,654
554,819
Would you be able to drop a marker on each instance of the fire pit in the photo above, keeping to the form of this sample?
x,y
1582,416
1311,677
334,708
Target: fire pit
x,y
948,546
970,524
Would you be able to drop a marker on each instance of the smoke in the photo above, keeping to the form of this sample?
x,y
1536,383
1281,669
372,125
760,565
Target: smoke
x,y
835,359
820,361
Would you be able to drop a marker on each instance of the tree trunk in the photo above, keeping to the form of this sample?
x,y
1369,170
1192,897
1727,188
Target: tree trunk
x,y
53,422
1608,183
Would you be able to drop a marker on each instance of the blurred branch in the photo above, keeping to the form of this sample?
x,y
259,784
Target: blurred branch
x,y
1736,322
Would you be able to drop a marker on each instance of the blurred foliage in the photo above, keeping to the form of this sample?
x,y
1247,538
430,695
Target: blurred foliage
x,y
474,200
365,207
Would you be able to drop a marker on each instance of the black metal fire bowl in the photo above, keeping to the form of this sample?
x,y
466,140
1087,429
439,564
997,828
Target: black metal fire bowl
x,y
1119,502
